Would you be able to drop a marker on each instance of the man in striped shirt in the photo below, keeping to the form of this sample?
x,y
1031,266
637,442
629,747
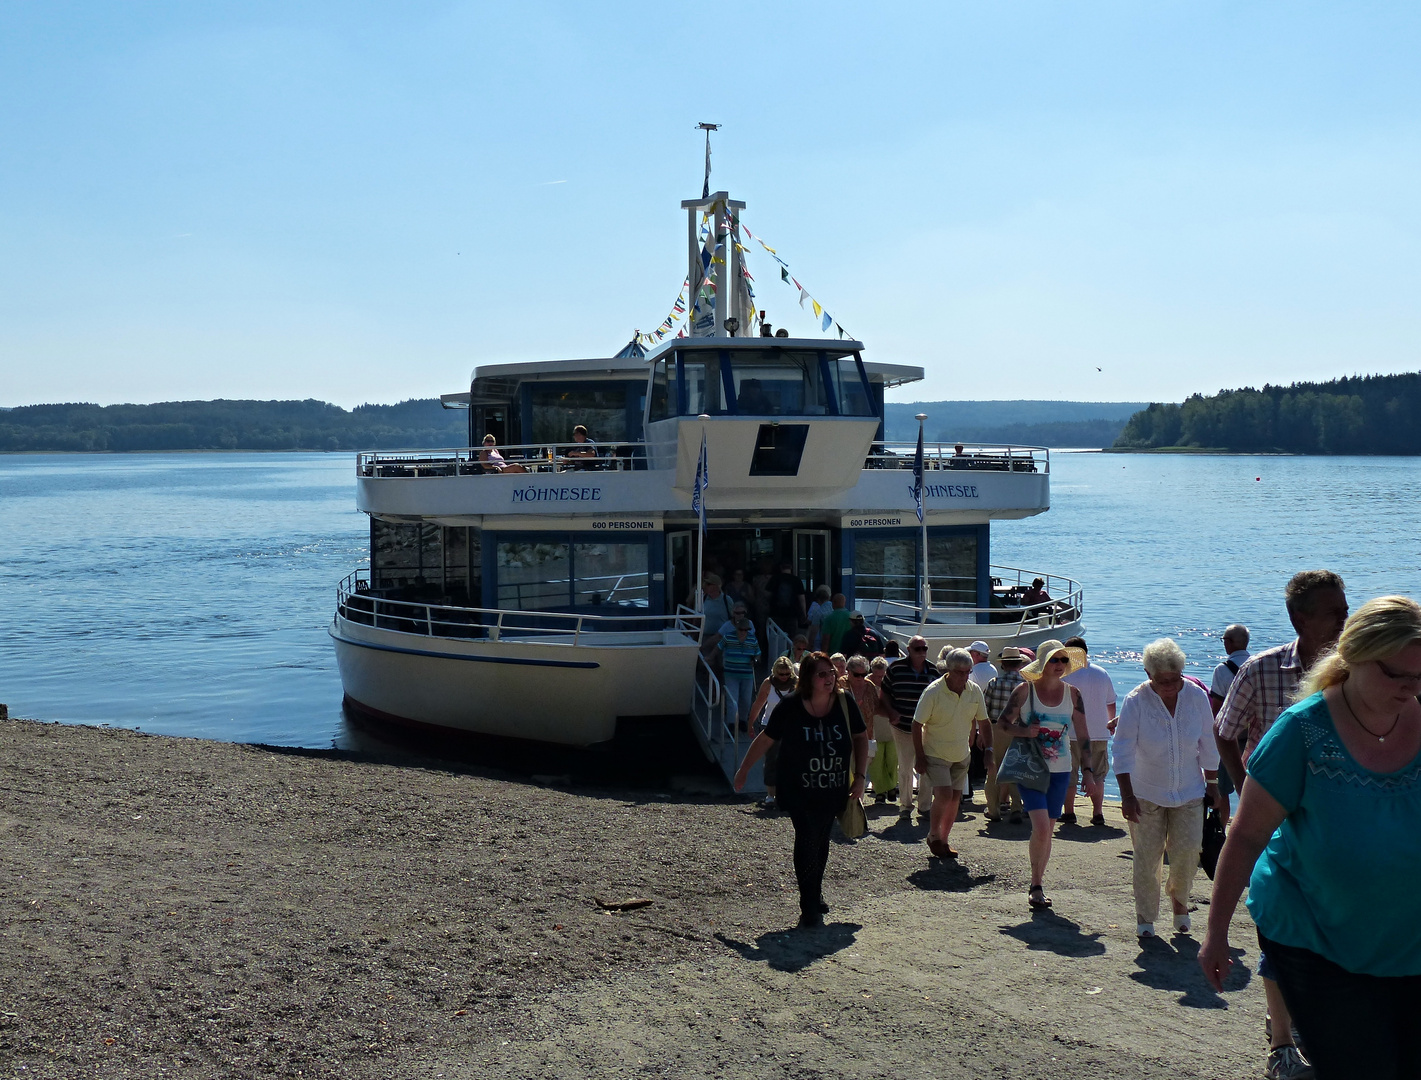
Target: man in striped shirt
x,y
998,693
903,686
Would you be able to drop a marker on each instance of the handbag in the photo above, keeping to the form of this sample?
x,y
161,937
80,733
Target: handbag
x,y
852,818
1024,764
1214,837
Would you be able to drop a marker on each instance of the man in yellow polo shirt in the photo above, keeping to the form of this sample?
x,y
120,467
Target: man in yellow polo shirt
x,y
942,739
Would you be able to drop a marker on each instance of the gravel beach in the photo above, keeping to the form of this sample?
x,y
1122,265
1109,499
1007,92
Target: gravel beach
x,y
191,908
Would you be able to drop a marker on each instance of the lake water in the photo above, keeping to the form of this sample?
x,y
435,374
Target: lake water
x,y
189,594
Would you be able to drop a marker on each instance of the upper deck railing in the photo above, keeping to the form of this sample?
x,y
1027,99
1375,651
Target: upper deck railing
x,y
624,456
355,601
524,458
978,457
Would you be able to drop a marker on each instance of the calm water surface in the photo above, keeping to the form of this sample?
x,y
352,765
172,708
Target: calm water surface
x,y
189,594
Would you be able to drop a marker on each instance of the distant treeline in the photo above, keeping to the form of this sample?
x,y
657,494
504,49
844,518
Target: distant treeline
x,y
1375,414
232,425
1072,433
1010,421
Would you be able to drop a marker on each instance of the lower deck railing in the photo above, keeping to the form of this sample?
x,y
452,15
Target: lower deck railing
x,y
357,602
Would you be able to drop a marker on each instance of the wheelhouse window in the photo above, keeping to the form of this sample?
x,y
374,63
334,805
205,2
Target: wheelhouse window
x,y
769,381
533,575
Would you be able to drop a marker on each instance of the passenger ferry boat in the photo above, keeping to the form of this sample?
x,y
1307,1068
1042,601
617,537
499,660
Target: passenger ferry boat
x,y
550,598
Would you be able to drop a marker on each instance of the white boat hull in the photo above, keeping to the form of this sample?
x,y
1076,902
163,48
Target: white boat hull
x,y
545,690
997,635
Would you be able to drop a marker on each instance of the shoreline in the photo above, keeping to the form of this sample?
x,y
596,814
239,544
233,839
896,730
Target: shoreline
x,y
222,910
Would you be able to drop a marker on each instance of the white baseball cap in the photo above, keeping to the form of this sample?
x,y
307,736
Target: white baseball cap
x,y
979,646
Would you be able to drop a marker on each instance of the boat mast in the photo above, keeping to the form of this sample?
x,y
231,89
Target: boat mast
x,y
723,270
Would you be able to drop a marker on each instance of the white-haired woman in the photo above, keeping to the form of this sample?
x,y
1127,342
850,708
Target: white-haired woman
x,y
1326,840
1166,762
1045,709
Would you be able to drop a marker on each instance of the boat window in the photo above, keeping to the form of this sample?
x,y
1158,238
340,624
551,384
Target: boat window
x,y
850,387
408,557
952,570
660,392
533,575
886,568
609,575
463,567
558,409
774,382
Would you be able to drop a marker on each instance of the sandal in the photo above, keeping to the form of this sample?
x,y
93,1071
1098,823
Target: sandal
x,y
1037,898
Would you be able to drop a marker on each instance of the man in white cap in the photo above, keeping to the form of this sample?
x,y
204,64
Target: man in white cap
x,y
982,670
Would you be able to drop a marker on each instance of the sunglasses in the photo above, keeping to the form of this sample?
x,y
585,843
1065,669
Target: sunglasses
x,y
919,648
1059,660
826,673
858,674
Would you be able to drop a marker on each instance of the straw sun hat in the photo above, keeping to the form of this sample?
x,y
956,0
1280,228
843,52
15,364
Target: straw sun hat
x,y
1044,652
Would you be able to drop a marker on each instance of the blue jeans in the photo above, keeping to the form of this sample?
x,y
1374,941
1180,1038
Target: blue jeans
x,y
1352,1025
740,695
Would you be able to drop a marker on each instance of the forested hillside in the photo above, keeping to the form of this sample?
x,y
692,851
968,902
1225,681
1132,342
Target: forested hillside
x,y
1375,414
232,425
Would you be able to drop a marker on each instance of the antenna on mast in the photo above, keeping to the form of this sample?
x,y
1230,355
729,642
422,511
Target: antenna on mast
x,y
707,128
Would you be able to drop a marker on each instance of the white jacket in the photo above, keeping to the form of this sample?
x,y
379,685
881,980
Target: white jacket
x,y
1165,756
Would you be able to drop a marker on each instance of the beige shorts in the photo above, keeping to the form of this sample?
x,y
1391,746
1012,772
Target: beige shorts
x,y
944,773
1098,762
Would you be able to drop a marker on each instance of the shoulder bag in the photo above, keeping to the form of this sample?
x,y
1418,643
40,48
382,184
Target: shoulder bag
x,y
1213,841
852,819
1023,763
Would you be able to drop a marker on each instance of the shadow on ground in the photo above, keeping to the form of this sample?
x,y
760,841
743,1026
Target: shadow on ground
x,y
1089,834
1048,932
1174,965
795,950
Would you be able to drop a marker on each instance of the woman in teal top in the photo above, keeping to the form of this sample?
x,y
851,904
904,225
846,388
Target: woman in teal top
x,y
1328,840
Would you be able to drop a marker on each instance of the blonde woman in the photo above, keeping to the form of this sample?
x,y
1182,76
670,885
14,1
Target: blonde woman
x,y
1044,708
1326,841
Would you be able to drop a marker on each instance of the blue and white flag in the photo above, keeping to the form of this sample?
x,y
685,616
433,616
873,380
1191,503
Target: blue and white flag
x,y
698,497
918,478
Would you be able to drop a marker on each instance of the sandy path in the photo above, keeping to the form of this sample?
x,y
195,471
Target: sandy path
x,y
179,907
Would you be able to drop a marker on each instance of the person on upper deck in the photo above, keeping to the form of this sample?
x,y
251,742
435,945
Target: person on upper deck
x,y
489,457
584,449
1037,594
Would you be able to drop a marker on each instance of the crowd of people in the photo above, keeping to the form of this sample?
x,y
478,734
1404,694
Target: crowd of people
x,y
1320,738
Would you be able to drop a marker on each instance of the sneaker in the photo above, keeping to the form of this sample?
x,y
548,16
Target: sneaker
x,y
769,803
1068,818
1293,1031
1285,1063
812,919
905,815
1098,820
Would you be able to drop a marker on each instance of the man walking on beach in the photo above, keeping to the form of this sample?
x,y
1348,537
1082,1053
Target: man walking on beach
x,y
1262,689
1098,696
903,686
1236,650
982,670
950,711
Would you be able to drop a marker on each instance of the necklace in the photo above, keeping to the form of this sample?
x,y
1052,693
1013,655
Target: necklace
x,y
1380,738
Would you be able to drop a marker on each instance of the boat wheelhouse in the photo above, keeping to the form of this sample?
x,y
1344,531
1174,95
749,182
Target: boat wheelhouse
x,y
550,590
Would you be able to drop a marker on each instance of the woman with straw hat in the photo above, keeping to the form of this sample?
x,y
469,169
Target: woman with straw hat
x,y
1043,708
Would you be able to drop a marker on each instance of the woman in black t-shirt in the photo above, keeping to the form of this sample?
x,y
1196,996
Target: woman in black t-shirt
x,y
823,756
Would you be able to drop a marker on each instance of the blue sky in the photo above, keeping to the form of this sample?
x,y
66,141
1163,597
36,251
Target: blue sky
x,y
359,202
